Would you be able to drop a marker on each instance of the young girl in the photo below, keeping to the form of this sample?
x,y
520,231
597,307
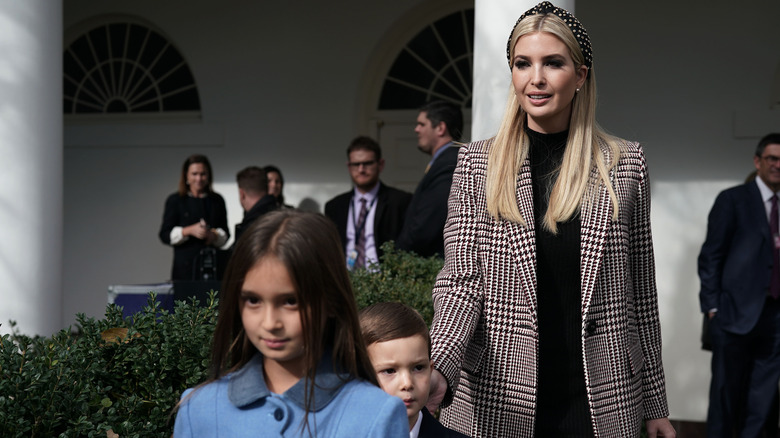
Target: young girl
x,y
288,358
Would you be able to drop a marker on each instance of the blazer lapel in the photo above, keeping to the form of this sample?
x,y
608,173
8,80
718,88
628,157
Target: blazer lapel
x,y
522,239
758,210
381,205
595,217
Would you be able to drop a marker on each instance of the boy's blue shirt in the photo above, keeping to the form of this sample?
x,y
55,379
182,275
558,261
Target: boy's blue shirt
x,y
240,405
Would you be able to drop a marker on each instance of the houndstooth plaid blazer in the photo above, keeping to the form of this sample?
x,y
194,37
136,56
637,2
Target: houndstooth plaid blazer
x,y
485,338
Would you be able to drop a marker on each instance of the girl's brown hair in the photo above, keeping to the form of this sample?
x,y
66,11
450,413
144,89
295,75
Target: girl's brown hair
x,y
308,245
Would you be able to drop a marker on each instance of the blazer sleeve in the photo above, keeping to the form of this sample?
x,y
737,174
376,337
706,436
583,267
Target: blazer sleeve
x,y
458,292
720,226
642,263
170,218
337,209
427,214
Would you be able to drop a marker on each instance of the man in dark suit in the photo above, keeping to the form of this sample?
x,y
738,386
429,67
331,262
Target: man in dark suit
x,y
371,213
439,125
739,268
253,196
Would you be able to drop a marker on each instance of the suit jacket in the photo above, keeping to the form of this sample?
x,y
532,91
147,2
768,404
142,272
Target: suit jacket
x,y
485,328
391,205
735,262
264,205
424,226
431,428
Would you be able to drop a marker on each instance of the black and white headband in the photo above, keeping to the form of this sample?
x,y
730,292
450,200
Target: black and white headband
x,y
580,34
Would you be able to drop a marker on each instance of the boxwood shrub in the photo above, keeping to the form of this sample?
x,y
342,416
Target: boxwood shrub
x,y
121,377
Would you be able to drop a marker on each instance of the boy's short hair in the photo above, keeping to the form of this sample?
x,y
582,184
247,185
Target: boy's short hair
x,y
383,322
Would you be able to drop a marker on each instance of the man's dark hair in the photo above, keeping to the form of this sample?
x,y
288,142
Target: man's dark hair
x,y
439,111
253,180
773,138
365,143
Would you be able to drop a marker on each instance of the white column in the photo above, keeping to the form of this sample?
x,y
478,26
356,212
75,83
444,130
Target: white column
x,y
493,22
31,153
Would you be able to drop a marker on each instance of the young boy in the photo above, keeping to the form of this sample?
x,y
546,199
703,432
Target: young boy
x,y
400,351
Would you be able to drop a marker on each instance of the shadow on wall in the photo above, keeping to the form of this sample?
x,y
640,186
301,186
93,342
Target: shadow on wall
x,y
679,217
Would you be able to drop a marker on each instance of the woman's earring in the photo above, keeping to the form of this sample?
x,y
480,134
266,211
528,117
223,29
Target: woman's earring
x,y
578,90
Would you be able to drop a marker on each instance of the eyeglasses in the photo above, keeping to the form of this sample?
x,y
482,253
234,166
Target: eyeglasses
x,y
356,165
771,159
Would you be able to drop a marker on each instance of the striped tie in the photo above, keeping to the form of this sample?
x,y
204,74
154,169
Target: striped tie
x,y
360,238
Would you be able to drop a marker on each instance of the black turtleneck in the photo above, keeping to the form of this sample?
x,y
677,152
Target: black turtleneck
x,y
562,404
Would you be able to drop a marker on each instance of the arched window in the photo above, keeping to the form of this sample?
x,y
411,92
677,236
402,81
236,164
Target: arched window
x,y
435,64
125,67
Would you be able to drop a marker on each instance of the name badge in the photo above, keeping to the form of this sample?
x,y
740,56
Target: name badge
x,y
352,256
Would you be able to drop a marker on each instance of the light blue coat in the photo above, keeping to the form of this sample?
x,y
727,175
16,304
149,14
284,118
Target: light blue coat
x,y
240,405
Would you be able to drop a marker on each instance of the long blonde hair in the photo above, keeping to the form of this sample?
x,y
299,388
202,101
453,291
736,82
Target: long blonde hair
x,y
509,148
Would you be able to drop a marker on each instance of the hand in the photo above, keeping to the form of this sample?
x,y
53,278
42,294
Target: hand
x,y
197,230
711,314
660,427
437,391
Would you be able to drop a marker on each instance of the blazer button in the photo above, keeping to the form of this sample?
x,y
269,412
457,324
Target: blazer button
x,y
591,327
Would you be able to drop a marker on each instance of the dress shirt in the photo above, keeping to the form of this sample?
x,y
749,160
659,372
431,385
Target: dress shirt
x,y
368,228
766,196
415,432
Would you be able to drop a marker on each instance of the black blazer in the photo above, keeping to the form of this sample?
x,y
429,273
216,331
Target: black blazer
x,y
264,205
431,428
735,262
391,205
182,211
423,230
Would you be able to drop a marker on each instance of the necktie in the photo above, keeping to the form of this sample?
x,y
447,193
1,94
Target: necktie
x,y
774,283
360,236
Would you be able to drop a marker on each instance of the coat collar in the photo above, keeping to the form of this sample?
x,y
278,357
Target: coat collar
x,y
595,219
247,385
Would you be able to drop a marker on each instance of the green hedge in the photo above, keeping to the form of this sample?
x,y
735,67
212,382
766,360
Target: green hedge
x,y
120,378
112,378
404,277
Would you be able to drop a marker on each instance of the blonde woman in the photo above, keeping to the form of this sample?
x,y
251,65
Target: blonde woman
x,y
546,317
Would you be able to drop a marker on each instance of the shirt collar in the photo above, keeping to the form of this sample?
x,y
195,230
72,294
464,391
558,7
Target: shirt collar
x,y
415,431
247,385
766,192
368,196
440,151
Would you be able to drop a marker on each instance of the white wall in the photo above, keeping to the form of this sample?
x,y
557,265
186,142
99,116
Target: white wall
x,y
278,84
682,78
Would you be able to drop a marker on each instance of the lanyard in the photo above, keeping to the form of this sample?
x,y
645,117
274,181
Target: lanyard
x,y
359,229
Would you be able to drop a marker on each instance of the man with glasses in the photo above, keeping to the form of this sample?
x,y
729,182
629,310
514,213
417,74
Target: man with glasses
x,y
739,268
371,213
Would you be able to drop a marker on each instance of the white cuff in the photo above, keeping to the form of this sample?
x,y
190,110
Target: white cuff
x,y
221,237
177,236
